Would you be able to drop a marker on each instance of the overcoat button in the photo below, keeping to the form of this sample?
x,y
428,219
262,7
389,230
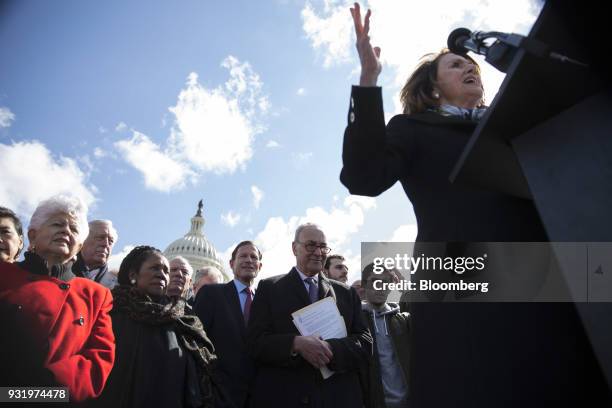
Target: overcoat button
x,y
305,400
352,117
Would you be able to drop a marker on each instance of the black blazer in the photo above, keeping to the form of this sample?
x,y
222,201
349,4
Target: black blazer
x,y
287,381
420,151
218,307
468,354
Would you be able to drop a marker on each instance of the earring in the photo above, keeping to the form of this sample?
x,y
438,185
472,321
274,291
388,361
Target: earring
x,y
133,281
436,95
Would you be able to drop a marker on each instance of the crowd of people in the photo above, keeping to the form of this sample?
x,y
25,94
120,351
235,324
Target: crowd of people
x,y
158,334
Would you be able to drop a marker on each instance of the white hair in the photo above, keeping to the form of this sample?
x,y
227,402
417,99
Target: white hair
x,y
185,261
206,271
109,224
71,205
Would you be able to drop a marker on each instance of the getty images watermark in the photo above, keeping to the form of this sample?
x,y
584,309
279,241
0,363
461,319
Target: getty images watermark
x,y
489,271
412,264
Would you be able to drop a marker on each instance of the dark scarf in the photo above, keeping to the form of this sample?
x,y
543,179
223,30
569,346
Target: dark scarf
x,y
189,330
33,263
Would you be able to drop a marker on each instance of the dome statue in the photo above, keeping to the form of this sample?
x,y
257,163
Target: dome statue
x,y
195,247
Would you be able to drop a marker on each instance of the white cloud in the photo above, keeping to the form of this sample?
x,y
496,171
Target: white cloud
x,y
102,129
404,233
258,195
22,188
121,126
114,261
231,219
6,117
212,131
405,31
215,128
301,92
86,163
272,144
99,153
340,223
161,171
329,32
301,159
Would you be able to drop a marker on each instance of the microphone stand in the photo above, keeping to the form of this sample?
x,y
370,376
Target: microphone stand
x,y
500,53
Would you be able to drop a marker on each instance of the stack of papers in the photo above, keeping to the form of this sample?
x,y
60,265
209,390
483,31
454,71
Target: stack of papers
x,y
321,319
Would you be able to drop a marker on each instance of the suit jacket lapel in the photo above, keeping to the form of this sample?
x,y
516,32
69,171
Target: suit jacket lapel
x,y
325,288
234,304
297,285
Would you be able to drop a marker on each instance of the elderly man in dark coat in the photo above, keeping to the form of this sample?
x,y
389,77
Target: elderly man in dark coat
x,y
288,364
92,260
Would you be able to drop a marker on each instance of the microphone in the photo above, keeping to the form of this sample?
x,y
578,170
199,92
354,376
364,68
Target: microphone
x,y
501,51
460,41
499,54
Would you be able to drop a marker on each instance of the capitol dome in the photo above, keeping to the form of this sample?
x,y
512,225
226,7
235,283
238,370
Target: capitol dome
x,y
195,247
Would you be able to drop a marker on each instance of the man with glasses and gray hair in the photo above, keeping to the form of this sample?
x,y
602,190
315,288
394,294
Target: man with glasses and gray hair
x,y
288,364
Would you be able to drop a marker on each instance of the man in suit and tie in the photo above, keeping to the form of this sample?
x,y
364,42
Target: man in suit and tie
x,y
224,310
288,364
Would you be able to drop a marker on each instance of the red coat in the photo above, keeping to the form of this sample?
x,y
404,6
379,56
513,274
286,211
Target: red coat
x,y
74,317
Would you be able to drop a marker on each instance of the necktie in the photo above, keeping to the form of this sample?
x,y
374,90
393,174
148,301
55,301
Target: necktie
x,y
313,290
247,304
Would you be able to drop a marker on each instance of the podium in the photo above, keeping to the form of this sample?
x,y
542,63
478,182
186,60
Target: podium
x,y
547,137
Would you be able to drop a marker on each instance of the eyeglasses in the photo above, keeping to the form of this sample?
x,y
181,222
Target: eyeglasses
x,y
311,246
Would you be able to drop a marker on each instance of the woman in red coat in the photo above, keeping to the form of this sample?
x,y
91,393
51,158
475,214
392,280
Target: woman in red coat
x,y
66,318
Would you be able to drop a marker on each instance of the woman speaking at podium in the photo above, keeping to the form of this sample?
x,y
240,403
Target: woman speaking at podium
x,y
442,101
463,354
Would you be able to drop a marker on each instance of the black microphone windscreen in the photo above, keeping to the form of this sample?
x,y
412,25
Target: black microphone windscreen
x,y
456,39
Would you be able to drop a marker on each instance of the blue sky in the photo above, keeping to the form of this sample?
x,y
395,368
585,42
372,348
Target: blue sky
x,y
142,108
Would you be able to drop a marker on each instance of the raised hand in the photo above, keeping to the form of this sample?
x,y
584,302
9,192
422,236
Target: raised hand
x,y
368,56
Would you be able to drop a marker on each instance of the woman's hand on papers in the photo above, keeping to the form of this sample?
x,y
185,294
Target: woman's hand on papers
x,y
313,349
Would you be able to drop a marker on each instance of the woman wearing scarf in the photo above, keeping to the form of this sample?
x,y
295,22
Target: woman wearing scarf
x,y
164,358
443,102
463,353
59,324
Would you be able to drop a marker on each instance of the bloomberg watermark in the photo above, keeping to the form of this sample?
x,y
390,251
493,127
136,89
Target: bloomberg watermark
x,y
489,271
